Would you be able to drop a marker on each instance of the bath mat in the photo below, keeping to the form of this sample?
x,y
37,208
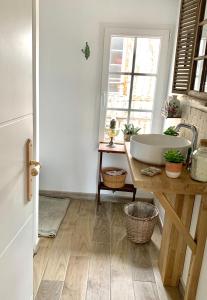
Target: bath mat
x,y
51,214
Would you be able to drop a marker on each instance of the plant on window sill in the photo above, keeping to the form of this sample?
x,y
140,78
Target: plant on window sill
x,y
130,130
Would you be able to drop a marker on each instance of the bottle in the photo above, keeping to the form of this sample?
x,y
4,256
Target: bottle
x,y
199,162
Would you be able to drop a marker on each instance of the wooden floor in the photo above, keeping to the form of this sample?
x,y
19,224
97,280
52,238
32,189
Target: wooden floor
x,y
92,259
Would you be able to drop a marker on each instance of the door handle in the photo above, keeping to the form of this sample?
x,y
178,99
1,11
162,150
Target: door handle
x,y
33,168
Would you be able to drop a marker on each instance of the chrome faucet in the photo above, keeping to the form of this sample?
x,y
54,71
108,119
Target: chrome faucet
x,y
194,132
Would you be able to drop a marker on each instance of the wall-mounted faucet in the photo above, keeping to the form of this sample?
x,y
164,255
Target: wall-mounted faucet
x,y
194,132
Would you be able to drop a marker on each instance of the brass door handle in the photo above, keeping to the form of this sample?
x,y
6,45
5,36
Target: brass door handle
x,y
34,163
35,171
33,168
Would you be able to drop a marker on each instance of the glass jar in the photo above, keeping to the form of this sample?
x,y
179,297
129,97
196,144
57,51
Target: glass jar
x,y
199,162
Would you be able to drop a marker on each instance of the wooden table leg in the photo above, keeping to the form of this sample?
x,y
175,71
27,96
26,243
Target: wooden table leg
x,y
134,195
99,180
99,196
173,246
197,258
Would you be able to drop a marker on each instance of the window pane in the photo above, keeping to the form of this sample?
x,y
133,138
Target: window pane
x,y
147,55
143,92
199,69
141,120
205,14
121,119
205,86
118,91
202,46
121,54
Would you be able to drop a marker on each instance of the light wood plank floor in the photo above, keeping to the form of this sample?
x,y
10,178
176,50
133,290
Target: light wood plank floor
x,y
92,259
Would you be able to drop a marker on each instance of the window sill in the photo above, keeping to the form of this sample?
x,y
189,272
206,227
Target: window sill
x,y
199,95
115,142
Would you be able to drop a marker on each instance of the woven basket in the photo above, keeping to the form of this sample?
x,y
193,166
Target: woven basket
x,y
117,181
141,218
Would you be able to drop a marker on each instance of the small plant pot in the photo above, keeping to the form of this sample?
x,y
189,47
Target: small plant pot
x,y
173,170
127,137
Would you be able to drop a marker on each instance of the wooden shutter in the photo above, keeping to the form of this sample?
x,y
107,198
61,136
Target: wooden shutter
x,y
189,14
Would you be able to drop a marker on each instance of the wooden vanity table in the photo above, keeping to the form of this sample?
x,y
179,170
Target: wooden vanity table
x,y
177,196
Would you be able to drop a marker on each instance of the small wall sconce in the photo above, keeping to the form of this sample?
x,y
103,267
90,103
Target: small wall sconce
x,y
86,51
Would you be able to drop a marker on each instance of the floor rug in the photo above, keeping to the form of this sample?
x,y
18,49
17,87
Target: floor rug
x,y
51,214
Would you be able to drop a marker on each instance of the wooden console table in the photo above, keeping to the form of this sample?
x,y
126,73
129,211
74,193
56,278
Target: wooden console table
x,y
177,196
119,149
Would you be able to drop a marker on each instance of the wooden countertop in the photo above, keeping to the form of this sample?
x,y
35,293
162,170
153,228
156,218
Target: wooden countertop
x,y
161,183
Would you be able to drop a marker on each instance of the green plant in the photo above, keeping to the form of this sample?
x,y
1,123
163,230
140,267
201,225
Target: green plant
x,y
171,131
130,129
174,156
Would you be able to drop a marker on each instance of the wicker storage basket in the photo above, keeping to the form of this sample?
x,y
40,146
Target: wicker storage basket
x,y
117,181
141,218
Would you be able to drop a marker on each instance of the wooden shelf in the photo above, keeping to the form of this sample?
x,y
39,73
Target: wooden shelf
x,y
119,148
127,188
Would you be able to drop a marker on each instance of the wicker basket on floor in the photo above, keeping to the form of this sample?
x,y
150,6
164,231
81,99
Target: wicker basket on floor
x,y
141,218
117,181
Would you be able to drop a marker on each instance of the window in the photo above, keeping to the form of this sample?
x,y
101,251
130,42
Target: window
x,y
185,46
199,65
131,80
190,73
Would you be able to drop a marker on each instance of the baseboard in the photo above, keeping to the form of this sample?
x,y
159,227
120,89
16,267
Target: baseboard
x,y
91,196
61,194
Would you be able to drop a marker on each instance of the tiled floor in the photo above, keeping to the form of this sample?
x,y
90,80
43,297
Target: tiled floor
x,y
92,259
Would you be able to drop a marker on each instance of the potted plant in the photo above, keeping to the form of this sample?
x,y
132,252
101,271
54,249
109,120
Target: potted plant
x,y
130,130
174,162
171,131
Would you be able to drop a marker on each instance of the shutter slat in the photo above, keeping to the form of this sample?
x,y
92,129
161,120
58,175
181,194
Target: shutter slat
x,y
185,45
189,6
187,25
187,17
181,73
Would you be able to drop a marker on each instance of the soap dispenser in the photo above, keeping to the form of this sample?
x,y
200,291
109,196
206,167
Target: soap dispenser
x,y
199,162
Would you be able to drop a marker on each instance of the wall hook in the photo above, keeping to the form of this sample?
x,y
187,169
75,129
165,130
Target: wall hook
x,y
86,51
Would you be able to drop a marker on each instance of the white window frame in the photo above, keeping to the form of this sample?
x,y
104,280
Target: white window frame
x,y
162,76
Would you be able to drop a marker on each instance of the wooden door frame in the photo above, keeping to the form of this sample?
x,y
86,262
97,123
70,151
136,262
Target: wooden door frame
x,y
35,41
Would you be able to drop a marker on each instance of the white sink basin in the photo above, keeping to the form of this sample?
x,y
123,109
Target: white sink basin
x,y
149,148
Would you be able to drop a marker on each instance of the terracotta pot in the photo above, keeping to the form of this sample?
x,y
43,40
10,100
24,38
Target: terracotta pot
x,y
127,137
173,170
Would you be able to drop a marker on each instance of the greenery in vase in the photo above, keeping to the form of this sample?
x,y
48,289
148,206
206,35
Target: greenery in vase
x,y
174,156
130,129
171,131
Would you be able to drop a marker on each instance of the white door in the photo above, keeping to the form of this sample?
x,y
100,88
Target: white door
x,y
16,126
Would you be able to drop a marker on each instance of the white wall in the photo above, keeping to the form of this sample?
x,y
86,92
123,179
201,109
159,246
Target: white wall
x,y
70,85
